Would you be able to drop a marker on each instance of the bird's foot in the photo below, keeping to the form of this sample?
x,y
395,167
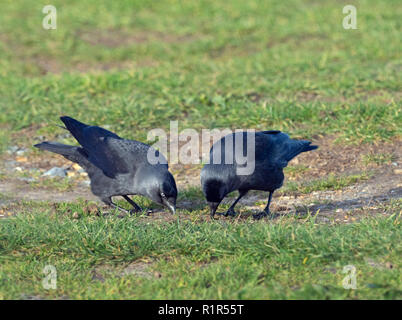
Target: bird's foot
x,y
261,215
134,211
230,213
107,214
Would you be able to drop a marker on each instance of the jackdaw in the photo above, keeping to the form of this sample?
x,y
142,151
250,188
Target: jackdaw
x,y
116,166
230,155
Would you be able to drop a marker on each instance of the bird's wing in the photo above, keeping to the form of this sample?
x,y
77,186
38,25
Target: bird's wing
x,y
272,148
105,149
85,134
110,153
113,156
119,156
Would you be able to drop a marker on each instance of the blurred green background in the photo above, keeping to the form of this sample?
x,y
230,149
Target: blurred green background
x,y
135,65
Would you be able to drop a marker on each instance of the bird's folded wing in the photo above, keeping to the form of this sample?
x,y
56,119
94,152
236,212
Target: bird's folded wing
x,y
86,135
111,156
108,151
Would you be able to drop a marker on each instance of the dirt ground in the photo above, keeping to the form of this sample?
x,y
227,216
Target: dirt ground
x,y
370,196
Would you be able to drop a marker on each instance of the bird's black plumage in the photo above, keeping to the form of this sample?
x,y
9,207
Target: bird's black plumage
x,y
273,150
116,166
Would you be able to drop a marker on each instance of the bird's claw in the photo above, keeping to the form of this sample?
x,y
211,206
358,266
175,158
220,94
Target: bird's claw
x,y
261,215
230,213
134,211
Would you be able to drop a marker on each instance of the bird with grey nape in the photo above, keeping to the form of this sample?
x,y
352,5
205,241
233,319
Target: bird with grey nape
x,y
116,166
271,153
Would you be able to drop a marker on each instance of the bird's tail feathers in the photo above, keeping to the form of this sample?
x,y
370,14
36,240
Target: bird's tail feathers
x,y
309,148
299,146
56,147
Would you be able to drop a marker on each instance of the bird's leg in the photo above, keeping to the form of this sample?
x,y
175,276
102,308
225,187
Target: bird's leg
x,y
231,211
110,203
136,207
115,206
266,211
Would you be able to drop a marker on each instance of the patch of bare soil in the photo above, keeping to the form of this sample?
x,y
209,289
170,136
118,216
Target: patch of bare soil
x,y
15,190
118,38
344,205
329,158
51,65
337,158
299,39
383,96
228,51
46,64
139,269
371,196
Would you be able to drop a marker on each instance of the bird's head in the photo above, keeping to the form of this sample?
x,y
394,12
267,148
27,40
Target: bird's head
x,y
214,190
164,191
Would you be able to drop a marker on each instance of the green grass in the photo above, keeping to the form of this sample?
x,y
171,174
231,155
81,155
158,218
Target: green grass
x,y
136,65
224,260
378,158
331,182
254,64
295,170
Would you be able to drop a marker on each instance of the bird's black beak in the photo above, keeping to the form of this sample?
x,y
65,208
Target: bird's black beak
x,y
213,206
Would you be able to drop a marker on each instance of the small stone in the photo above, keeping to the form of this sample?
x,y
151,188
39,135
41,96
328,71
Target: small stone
x,y
92,209
56,172
398,171
21,159
21,152
12,149
70,174
339,210
76,167
86,183
27,179
19,169
10,164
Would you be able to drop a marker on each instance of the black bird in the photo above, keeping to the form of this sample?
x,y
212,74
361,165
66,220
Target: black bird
x,y
116,166
273,151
